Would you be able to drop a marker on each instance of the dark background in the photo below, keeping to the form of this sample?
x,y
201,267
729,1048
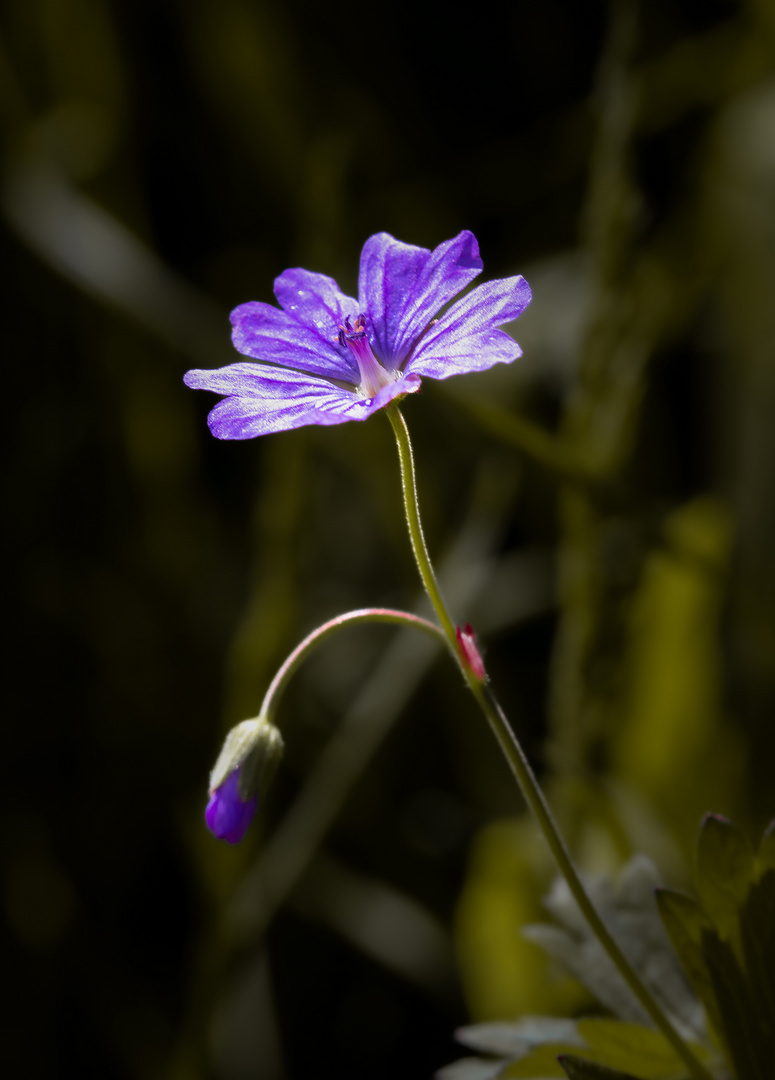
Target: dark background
x,y
163,162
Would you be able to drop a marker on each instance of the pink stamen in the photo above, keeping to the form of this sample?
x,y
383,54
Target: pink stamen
x,y
373,375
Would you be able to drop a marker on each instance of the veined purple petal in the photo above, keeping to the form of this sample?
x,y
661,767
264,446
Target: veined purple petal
x,y
323,351
316,301
406,384
263,399
401,288
466,337
266,333
227,816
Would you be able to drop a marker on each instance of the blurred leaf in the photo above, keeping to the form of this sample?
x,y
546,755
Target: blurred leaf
x,y
738,1012
578,1069
758,939
727,944
725,871
618,1047
757,929
608,1043
672,712
518,1039
542,1062
631,1046
686,923
470,1069
504,974
630,912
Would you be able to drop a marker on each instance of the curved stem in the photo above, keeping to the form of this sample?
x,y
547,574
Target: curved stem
x,y
516,758
319,635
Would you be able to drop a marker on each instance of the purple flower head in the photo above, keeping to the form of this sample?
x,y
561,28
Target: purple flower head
x,y
326,358
228,815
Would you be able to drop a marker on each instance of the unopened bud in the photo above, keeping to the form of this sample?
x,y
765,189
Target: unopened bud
x,y
244,769
468,651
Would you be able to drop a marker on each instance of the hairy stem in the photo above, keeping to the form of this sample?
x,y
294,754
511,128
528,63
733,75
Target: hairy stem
x,y
411,505
319,635
516,758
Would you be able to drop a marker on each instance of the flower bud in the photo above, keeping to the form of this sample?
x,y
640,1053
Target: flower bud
x,y
245,767
468,651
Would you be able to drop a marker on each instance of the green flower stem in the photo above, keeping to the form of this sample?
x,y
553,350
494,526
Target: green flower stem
x,y
516,758
311,642
401,432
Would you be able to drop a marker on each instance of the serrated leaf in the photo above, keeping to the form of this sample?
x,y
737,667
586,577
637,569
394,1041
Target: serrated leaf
x,y
585,958
686,923
578,1069
470,1069
631,1047
626,1049
725,872
515,1040
630,912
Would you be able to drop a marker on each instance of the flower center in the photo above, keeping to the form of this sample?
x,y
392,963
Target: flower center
x,y
373,375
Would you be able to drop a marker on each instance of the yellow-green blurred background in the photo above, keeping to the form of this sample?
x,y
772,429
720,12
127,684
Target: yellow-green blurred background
x,y
603,511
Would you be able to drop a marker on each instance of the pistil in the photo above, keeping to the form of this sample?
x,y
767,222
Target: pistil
x,y
373,375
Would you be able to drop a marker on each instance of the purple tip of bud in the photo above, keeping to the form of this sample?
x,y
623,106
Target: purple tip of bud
x,y
227,816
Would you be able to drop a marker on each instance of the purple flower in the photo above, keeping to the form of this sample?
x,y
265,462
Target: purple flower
x,y
228,815
327,358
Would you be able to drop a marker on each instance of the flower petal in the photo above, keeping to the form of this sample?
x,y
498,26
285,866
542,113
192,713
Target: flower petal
x,y
227,815
315,300
265,399
401,288
266,333
466,339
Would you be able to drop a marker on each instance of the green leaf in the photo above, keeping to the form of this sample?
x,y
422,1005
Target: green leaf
x,y
540,1064
725,872
686,924
578,1069
741,1031
633,1047
715,970
758,936
727,946
622,1048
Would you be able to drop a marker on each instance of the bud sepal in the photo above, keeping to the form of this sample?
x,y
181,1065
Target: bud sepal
x,y
469,654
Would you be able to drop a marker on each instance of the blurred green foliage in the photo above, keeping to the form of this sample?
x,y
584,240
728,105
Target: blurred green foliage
x,y
601,511
710,962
